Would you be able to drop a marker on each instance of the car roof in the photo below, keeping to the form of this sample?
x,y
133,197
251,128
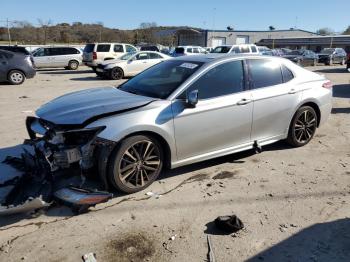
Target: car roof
x,y
213,57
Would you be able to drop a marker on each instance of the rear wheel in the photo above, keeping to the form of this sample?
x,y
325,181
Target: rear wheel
x,y
73,65
16,77
136,163
116,73
302,127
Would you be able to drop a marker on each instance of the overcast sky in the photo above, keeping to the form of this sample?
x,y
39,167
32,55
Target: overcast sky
x,y
242,15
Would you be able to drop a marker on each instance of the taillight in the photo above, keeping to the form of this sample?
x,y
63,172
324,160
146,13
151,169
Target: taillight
x,y
94,56
327,85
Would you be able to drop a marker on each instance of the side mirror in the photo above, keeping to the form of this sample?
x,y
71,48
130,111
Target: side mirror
x,y
192,98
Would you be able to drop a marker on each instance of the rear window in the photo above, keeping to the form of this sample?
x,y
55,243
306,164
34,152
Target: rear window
x,y
287,74
103,48
69,51
89,48
245,49
15,49
264,73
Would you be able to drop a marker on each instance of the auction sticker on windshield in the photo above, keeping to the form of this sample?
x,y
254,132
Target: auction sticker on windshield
x,y
188,65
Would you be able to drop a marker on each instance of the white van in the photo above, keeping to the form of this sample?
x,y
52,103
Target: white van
x,y
57,56
96,53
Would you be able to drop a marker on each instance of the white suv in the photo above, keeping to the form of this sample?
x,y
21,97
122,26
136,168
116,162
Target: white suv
x,y
96,53
236,49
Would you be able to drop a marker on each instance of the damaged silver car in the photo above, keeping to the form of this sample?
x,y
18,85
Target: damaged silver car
x,y
178,112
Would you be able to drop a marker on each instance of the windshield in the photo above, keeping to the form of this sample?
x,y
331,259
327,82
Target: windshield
x,y
221,49
127,56
89,48
162,79
327,51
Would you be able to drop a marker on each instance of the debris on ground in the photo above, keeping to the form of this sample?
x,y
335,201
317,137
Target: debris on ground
x,y
172,238
211,256
152,194
89,257
229,224
80,200
30,205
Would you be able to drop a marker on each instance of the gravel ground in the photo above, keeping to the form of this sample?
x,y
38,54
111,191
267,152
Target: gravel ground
x,y
294,202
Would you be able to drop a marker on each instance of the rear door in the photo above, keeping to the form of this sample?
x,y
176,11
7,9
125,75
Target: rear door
x,y
275,98
118,50
40,57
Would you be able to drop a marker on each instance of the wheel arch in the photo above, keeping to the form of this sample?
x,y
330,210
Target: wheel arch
x,y
312,104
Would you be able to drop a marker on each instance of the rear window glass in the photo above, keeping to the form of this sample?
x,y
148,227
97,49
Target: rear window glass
x,y
287,74
89,48
103,48
118,48
264,73
245,49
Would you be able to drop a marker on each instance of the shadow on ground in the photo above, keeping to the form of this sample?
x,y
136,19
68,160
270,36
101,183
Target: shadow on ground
x,y
328,241
341,91
64,72
332,70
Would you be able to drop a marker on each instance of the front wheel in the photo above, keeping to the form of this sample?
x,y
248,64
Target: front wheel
x,y
136,163
302,127
116,73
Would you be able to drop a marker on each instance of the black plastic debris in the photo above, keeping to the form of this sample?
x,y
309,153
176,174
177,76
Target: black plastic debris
x,y
81,199
229,224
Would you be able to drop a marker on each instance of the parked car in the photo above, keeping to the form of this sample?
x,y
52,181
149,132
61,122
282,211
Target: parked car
x,y
58,56
302,57
96,53
188,50
236,49
15,67
129,64
17,49
149,48
329,56
181,111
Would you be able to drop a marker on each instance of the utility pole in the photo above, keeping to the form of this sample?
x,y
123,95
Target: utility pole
x,y
8,31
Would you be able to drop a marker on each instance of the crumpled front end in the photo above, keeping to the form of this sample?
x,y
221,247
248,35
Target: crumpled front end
x,y
62,146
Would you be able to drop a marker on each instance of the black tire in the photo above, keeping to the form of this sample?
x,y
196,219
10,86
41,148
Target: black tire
x,y
116,73
303,126
73,65
16,77
135,163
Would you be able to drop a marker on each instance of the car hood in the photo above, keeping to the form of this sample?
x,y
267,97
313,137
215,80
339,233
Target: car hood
x,y
83,107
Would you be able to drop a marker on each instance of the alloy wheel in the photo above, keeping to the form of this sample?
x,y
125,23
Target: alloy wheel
x,y
139,164
305,126
16,78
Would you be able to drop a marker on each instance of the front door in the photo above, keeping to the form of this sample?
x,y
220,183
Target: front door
x,y
222,118
140,63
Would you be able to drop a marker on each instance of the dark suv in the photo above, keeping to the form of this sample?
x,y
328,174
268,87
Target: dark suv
x,y
15,67
329,56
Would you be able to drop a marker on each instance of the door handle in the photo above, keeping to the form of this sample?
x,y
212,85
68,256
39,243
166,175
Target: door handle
x,y
244,101
292,91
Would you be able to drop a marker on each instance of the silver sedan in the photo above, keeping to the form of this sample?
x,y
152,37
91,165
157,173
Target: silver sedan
x,y
179,112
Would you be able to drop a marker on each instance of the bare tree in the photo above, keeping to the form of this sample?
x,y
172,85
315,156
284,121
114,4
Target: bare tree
x,y
325,31
45,25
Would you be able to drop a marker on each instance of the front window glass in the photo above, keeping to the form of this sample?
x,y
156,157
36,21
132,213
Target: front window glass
x,y
224,79
161,80
127,56
221,49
